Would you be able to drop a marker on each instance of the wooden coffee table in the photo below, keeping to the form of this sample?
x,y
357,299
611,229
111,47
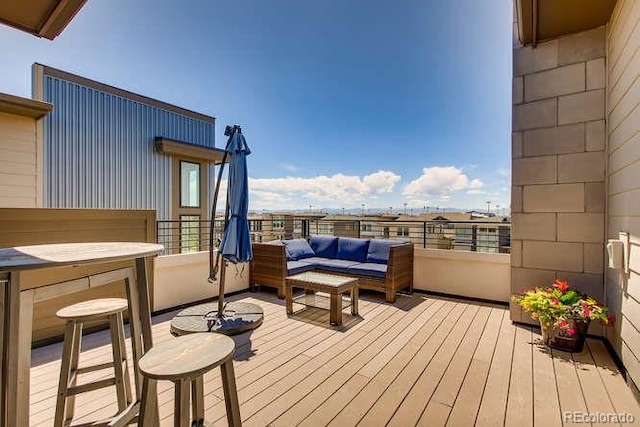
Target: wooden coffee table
x,y
332,284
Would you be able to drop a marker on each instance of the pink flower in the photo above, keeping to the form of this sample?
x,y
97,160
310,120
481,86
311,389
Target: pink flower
x,y
571,332
563,324
611,319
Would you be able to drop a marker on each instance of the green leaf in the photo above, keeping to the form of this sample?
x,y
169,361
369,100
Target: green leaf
x,y
570,297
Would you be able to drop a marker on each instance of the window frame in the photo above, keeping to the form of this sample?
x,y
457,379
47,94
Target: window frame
x,y
199,192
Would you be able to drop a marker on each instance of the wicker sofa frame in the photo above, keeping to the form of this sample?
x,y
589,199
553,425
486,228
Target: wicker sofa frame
x,y
269,268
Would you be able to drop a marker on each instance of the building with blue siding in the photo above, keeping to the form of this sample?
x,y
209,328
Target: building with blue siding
x,y
104,147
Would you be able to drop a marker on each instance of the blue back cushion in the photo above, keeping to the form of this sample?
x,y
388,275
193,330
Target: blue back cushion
x,y
352,249
297,249
379,250
324,246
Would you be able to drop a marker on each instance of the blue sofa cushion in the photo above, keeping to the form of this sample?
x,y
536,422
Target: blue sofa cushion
x,y
332,265
296,267
352,249
379,250
324,246
370,269
297,249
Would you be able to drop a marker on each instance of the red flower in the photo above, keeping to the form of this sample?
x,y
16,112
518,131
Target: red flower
x,y
587,311
571,332
611,319
562,285
563,324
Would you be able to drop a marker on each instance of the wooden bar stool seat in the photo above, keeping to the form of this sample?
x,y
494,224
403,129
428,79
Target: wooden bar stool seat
x,y
184,361
76,315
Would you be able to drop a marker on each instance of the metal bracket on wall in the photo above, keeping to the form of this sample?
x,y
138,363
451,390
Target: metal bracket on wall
x,y
623,236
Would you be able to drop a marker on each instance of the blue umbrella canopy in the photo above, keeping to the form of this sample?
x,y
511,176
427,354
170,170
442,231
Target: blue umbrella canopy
x,y
235,245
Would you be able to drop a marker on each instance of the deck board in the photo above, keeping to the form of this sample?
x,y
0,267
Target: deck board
x,y
496,389
422,361
467,401
520,397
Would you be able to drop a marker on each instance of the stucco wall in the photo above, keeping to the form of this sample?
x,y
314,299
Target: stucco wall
x,y
471,274
18,171
558,164
182,279
623,129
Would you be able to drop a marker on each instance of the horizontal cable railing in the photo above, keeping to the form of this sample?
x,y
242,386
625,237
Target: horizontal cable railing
x,y
192,235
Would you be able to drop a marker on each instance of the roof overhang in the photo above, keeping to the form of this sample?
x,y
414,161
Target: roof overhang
x,y
25,107
179,148
42,18
540,20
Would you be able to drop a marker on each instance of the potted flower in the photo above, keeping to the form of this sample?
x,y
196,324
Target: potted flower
x,y
564,314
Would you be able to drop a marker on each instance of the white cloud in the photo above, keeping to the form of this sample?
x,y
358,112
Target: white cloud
x,y
441,182
476,183
289,167
381,181
339,189
476,192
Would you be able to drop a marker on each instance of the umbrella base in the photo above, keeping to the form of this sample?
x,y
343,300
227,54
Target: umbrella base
x,y
238,317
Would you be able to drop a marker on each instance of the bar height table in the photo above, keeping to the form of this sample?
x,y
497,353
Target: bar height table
x,y
17,318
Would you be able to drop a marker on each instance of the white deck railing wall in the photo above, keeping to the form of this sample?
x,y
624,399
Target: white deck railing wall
x,y
182,279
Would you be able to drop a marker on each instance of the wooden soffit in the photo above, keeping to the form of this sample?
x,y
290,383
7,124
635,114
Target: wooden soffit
x,y
540,20
179,148
25,107
42,18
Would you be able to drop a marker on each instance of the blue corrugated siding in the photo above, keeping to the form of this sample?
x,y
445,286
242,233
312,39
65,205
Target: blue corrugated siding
x,y
99,149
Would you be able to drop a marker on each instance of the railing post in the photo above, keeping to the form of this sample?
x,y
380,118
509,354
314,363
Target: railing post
x,y
424,235
359,229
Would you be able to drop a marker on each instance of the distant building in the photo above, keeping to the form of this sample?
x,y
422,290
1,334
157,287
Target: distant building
x,y
464,231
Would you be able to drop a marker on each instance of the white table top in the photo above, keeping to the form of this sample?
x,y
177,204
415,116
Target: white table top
x,y
59,254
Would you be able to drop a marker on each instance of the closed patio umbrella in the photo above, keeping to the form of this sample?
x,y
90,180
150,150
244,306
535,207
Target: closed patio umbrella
x,y
236,240
235,247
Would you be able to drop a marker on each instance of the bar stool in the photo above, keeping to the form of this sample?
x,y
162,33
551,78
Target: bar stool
x,y
76,315
184,361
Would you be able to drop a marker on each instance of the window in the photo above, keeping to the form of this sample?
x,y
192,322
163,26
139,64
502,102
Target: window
x,y
385,232
325,229
464,233
365,226
189,184
278,223
189,233
403,231
255,225
487,240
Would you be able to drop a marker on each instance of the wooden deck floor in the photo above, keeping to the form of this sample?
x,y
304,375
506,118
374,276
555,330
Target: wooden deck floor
x,y
423,361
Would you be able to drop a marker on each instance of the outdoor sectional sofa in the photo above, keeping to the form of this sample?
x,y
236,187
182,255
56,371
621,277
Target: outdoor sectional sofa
x,y
380,264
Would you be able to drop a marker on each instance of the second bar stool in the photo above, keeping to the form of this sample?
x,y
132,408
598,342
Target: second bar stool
x,y
184,361
76,315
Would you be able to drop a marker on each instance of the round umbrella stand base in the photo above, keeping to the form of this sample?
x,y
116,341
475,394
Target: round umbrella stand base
x,y
238,317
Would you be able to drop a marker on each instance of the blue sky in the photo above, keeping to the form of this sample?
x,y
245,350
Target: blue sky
x,y
343,102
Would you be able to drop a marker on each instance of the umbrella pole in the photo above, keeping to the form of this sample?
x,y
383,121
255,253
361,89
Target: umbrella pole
x,y
213,264
223,271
